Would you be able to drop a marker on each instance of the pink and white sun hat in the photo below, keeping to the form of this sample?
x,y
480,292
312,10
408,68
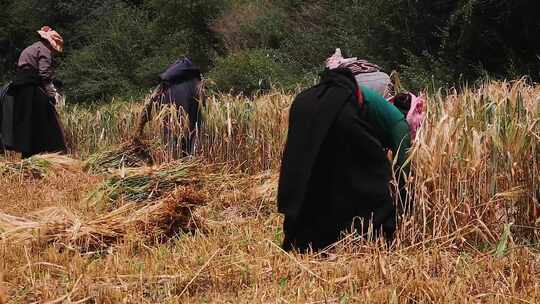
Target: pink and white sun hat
x,y
52,36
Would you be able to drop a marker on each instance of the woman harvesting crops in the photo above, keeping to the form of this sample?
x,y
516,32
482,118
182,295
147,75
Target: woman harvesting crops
x,y
335,173
370,75
34,124
180,86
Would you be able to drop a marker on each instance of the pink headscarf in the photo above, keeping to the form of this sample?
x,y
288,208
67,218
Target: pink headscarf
x,y
416,114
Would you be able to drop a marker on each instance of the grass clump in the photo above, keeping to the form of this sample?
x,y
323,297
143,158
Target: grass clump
x,y
146,184
134,153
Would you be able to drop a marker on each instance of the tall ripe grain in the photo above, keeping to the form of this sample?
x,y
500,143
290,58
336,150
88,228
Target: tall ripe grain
x,y
476,165
475,161
248,132
92,128
3,298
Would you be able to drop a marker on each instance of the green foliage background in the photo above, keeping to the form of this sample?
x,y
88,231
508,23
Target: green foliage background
x,y
118,47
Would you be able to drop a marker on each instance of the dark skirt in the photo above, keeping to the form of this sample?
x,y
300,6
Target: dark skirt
x,y
36,125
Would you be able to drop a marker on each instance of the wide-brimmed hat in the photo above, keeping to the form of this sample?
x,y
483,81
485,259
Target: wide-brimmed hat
x,y
55,40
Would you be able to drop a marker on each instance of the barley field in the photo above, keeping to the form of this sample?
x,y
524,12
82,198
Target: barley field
x,y
106,225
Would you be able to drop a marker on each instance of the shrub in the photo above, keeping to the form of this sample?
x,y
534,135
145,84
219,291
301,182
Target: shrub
x,y
250,71
427,71
118,44
254,24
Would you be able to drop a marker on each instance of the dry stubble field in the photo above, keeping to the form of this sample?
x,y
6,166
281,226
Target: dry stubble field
x,y
472,237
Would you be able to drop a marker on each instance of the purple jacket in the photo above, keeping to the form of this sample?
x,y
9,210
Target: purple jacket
x,y
39,57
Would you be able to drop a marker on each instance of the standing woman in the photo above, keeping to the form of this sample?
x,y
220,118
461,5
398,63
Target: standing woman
x,y
36,125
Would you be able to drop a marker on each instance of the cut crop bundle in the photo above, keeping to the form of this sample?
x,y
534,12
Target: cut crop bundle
x,y
41,165
134,153
154,221
147,184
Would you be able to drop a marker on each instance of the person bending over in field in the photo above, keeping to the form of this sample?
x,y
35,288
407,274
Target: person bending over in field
x,y
180,86
372,76
335,174
30,123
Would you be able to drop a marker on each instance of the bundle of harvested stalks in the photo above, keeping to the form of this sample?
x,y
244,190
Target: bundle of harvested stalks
x,y
172,214
134,153
156,221
61,226
40,165
146,184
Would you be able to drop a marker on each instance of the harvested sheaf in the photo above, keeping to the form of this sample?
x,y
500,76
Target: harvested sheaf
x,y
146,184
41,165
61,227
134,153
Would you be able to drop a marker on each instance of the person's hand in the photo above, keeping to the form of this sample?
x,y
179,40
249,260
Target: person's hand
x,y
60,100
50,89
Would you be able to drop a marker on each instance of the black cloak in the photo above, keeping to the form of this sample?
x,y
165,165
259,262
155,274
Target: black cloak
x,y
36,125
180,85
334,170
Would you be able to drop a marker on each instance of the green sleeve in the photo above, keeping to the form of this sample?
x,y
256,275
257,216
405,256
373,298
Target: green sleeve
x,y
390,124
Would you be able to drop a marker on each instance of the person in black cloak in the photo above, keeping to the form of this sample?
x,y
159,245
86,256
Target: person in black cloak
x,y
335,173
180,85
30,122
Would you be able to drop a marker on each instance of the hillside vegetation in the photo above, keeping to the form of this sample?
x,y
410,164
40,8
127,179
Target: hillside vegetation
x,y
118,47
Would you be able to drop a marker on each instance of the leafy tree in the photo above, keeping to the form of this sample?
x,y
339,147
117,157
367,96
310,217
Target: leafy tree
x,y
249,71
117,45
19,21
494,36
188,23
